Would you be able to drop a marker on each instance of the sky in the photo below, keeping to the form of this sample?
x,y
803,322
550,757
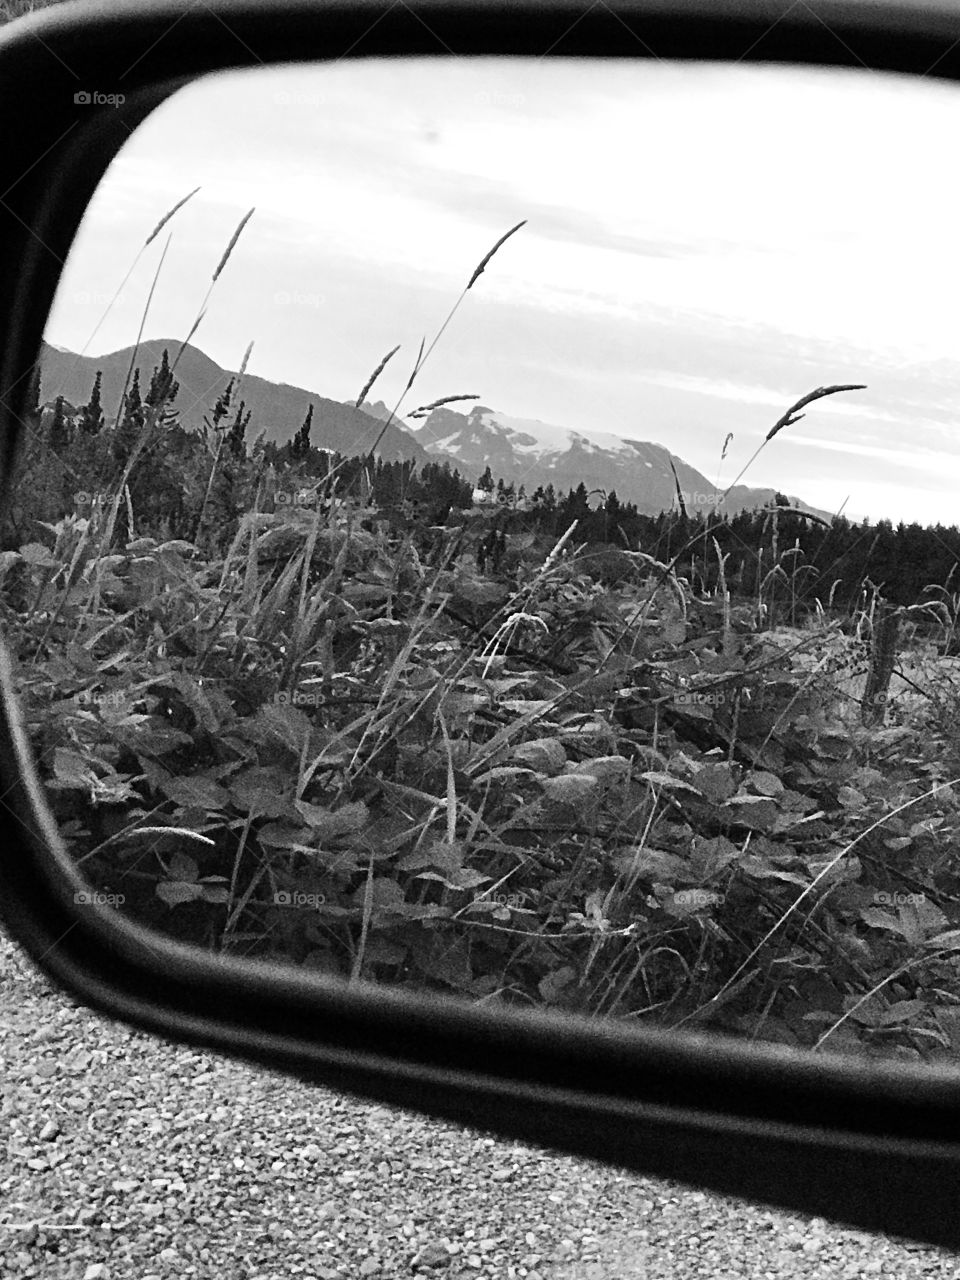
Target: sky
x,y
704,245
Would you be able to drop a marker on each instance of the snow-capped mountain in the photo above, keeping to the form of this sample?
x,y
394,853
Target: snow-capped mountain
x,y
526,451
533,453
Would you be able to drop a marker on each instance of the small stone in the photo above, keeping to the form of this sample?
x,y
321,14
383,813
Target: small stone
x,y
47,1034
96,1271
49,1131
432,1255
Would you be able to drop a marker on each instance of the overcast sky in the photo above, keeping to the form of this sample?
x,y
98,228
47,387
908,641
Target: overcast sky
x,y
704,245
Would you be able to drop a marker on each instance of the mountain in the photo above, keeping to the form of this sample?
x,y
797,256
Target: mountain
x,y
276,409
534,453
526,451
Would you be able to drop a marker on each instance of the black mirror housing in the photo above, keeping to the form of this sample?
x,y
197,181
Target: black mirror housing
x,y
878,1148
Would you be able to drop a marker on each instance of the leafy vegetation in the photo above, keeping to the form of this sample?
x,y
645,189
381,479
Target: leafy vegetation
x,y
293,706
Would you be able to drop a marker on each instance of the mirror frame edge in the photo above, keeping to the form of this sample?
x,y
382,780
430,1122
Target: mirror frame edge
x,y
582,1122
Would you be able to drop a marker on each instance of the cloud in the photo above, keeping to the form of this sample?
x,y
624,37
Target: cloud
x,y
704,245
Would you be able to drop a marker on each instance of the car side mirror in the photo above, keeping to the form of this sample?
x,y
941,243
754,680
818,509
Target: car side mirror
x,y
871,1144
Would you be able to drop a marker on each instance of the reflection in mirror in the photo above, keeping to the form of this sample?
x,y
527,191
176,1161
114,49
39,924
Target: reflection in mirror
x,y
487,528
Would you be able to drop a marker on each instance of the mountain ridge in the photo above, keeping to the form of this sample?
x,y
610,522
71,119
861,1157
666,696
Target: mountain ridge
x,y
524,451
277,409
531,452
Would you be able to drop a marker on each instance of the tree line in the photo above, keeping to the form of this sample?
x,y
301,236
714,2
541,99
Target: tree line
x,y
198,485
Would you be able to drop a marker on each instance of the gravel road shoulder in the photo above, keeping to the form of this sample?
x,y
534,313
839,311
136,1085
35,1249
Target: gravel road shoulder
x,y
126,1157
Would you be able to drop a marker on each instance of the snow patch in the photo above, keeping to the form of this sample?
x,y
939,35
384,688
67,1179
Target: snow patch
x,y
546,437
444,442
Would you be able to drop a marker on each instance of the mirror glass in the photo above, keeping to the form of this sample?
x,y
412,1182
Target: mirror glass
x,y
487,527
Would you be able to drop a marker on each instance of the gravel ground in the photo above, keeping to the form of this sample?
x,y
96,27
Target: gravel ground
x,y
124,1156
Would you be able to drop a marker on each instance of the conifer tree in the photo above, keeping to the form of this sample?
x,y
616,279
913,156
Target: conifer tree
x,y
163,389
258,449
301,441
131,423
59,436
235,436
92,419
222,406
221,488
